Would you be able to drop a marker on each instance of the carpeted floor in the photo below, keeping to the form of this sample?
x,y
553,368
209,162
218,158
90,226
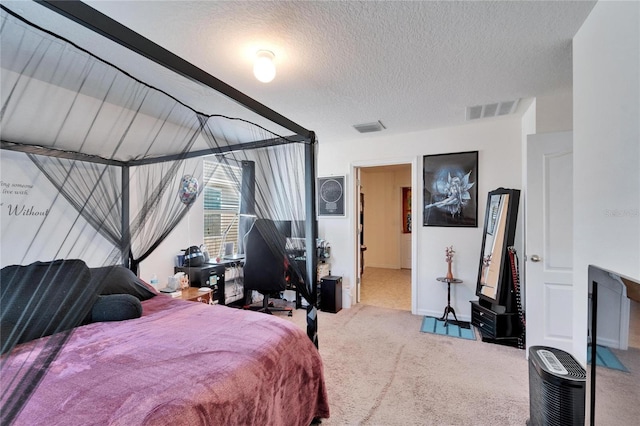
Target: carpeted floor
x,y
618,392
381,370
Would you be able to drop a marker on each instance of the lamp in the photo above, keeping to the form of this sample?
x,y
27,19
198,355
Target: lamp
x,y
264,68
221,252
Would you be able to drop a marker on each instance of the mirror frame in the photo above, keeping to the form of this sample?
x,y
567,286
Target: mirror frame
x,y
502,287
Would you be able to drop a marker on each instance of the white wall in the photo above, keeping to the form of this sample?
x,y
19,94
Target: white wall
x,y
499,144
62,234
189,232
606,150
48,227
554,111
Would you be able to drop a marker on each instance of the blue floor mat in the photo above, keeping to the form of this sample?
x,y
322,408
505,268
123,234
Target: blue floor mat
x,y
460,329
605,358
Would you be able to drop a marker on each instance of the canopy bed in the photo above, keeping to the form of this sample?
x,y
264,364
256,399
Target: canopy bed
x,y
115,122
178,363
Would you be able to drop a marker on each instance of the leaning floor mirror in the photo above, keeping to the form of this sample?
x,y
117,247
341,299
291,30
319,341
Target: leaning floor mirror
x,y
499,233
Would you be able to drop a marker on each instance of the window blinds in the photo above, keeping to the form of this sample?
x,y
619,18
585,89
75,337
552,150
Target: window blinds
x,y
221,204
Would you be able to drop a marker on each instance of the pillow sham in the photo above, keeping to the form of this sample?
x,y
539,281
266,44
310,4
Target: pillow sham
x,y
43,298
117,279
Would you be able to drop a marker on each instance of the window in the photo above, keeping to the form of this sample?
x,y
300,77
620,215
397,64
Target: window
x,y
221,204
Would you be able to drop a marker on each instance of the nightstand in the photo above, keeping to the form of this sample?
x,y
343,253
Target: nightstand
x,y
194,294
449,309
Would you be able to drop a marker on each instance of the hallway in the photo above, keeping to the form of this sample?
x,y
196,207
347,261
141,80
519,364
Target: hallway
x,y
386,288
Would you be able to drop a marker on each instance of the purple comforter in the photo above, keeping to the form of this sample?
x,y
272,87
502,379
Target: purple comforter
x,y
181,363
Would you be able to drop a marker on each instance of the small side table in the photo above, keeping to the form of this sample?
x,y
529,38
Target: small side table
x,y
448,309
194,294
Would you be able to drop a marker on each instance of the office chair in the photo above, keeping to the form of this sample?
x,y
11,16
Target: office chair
x,y
264,263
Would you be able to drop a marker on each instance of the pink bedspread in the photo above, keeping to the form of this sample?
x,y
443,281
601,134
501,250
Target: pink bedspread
x,y
181,363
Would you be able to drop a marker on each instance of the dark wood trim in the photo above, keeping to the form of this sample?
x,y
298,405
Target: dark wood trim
x,y
220,150
594,344
125,243
53,152
311,233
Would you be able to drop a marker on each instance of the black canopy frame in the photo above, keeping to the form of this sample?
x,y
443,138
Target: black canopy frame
x,y
111,29
101,24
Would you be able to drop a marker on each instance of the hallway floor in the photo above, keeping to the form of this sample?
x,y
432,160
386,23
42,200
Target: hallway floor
x,y
386,288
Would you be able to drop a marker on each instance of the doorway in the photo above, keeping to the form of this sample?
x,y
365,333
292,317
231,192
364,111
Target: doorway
x,y
384,232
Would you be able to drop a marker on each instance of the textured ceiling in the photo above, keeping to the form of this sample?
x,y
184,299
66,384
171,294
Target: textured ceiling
x,y
412,65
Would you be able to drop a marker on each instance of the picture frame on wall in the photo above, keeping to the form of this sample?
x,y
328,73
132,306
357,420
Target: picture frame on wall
x,y
330,196
451,189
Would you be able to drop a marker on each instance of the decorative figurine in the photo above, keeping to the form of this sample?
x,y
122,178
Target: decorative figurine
x,y
184,281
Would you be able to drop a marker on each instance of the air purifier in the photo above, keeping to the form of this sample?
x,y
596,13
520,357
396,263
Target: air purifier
x,y
557,384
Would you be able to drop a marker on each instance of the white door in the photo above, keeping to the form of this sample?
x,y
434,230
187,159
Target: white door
x,y
549,240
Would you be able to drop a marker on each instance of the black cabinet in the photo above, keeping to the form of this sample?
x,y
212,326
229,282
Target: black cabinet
x,y
494,327
202,276
331,294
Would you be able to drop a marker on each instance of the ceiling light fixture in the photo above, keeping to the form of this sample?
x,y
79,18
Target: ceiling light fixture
x,y
264,68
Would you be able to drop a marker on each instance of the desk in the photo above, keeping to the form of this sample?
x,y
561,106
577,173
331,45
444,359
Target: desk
x,y
448,309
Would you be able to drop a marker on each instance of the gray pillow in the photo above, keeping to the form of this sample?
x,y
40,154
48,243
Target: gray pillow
x,y
115,307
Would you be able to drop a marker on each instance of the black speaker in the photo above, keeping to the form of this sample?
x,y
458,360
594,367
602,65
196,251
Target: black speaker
x,y
331,294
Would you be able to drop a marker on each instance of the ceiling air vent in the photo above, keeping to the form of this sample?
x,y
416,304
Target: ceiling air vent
x,y
492,110
369,127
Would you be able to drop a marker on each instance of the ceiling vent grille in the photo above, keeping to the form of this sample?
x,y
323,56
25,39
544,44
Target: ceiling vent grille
x,y
369,127
492,110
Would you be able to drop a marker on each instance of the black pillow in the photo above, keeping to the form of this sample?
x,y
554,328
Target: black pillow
x,y
115,307
43,298
120,280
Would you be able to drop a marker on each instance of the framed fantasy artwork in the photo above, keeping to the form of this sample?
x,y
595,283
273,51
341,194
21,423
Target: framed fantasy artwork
x,y
450,189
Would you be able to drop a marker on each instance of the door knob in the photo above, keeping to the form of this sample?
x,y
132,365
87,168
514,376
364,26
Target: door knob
x,y
535,258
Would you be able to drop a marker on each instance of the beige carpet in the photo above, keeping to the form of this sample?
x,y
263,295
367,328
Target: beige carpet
x,y
618,392
381,370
